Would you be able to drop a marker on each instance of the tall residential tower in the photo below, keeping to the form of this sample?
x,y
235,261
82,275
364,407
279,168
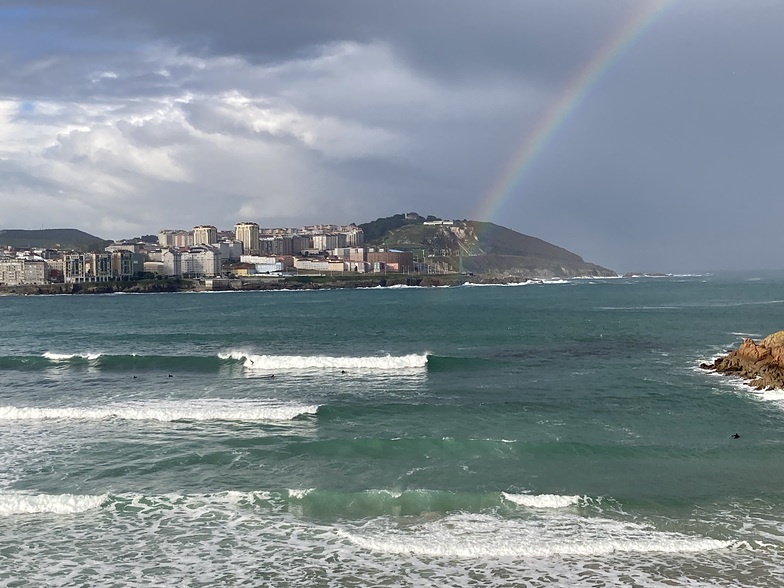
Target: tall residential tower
x,y
248,233
205,235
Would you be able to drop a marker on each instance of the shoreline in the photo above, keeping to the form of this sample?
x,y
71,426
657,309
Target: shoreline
x,y
294,283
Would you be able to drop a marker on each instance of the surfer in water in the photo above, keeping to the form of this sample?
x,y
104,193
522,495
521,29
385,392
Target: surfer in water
x,y
735,436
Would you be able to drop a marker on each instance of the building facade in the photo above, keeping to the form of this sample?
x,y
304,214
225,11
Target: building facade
x,y
177,238
98,267
74,268
205,235
248,233
230,250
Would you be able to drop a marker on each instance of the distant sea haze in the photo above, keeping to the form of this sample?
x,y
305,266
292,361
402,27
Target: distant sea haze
x,y
555,433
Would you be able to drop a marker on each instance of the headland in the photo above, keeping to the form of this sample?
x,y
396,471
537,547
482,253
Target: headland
x,y
761,364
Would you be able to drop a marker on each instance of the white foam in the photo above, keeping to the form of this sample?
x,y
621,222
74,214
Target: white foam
x,y
18,503
167,411
311,362
231,498
514,284
541,500
771,395
51,356
299,494
482,536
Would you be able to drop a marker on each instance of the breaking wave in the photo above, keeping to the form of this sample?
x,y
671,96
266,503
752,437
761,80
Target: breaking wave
x,y
487,536
541,500
316,362
165,411
21,503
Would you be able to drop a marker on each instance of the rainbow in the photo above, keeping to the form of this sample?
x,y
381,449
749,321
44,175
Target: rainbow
x,y
567,102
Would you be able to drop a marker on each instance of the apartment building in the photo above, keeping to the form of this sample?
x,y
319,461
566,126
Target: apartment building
x,y
205,235
196,262
99,267
74,268
176,238
248,233
329,241
230,250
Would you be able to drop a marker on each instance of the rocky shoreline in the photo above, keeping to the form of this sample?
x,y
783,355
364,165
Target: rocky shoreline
x,y
760,364
303,282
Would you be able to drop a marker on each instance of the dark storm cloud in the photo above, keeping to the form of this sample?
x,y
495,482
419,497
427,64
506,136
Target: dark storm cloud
x,y
134,114
442,35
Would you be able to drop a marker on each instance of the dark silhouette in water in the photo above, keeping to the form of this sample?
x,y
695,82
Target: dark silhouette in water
x,y
170,375
735,436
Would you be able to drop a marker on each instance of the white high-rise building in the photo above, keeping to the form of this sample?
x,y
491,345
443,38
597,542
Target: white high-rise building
x,y
177,238
248,233
205,235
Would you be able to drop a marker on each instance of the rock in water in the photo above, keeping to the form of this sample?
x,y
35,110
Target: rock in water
x,y
761,364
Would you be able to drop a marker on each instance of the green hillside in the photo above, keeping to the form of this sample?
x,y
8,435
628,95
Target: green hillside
x,y
53,238
484,248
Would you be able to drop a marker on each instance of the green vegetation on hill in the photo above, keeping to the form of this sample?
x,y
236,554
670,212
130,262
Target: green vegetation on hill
x,y
480,247
375,230
52,238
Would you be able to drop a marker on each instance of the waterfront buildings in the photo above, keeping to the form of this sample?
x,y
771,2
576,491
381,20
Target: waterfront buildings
x,y
206,252
22,270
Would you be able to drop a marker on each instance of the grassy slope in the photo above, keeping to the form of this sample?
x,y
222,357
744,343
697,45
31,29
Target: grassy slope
x,y
55,238
490,248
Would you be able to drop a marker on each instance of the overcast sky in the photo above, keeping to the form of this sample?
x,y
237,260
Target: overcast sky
x,y
124,117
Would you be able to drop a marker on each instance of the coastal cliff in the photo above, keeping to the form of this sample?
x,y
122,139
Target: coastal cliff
x,y
761,364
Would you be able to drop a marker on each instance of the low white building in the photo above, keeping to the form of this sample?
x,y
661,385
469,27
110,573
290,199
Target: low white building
x,y
270,268
257,259
319,265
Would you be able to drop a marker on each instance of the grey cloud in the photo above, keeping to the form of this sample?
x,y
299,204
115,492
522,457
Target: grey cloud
x,y
299,112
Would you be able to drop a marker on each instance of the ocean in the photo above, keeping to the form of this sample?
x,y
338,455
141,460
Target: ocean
x,y
528,435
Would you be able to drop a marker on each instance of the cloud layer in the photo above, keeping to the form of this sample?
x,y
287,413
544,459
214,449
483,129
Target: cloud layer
x,y
124,118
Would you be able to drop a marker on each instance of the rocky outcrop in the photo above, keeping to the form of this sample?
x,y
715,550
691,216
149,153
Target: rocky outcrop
x,y
761,364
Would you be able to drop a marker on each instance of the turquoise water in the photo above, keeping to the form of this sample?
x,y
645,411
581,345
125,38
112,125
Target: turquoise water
x,y
507,435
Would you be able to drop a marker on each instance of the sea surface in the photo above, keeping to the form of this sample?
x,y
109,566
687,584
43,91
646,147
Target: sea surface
x,y
530,435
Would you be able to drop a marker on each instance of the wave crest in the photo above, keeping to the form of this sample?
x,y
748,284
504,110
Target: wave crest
x,y
315,362
59,357
484,536
541,500
19,503
164,411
